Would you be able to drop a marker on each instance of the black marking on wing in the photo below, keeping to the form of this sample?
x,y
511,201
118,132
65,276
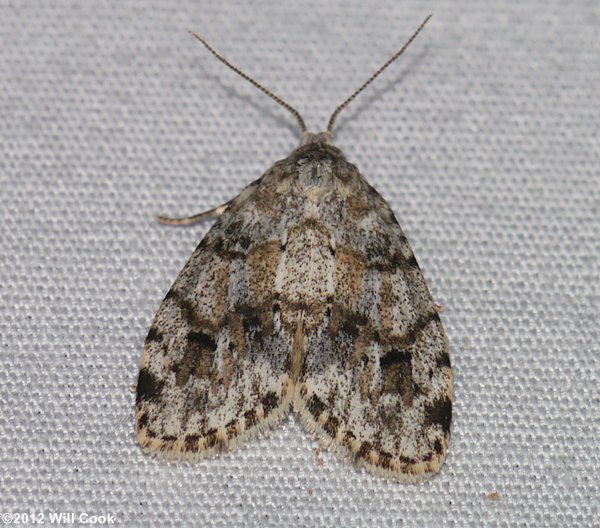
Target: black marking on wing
x,y
148,386
439,412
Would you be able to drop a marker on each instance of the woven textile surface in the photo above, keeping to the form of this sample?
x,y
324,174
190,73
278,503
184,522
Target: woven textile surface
x,y
484,138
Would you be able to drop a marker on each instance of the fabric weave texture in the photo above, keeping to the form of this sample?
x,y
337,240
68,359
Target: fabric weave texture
x,y
484,138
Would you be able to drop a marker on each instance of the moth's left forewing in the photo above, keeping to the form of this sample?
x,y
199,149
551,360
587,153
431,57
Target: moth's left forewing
x,y
376,382
215,367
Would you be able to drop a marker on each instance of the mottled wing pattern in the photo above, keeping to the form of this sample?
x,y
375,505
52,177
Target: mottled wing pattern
x,y
376,382
215,363
305,291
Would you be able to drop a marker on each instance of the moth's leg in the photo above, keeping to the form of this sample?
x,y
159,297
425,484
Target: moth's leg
x,y
217,211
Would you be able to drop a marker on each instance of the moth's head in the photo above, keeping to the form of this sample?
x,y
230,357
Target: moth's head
x,y
316,165
316,148
315,137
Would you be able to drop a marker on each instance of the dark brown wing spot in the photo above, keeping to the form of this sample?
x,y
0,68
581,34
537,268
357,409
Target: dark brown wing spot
x,y
245,241
315,406
351,323
357,206
231,428
154,335
364,450
392,262
418,326
412,262
331,426
349,439
378,248
250,320
191,442
385,460
211,438
395,357
151,434
396,367
148,386
143,421
198,358
439,412
443,360
250,418
269,402
188,309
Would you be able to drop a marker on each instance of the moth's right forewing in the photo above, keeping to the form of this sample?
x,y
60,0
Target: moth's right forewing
x,y
376,383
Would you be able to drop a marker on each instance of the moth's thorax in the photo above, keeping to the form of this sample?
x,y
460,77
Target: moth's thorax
x,y
315,176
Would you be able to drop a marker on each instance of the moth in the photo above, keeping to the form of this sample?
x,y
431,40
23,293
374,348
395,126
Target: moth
x,y
304,294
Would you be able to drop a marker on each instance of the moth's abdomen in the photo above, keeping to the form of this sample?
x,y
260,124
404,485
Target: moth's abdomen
x,y
304,280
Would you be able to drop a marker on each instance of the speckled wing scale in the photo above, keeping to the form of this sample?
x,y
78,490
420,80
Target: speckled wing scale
x,y
304,295
215,366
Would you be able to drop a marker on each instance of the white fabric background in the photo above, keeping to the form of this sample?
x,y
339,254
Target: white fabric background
x,y
484,138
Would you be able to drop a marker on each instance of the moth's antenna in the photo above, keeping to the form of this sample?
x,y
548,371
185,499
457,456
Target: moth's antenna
x,y
373,77
278,99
